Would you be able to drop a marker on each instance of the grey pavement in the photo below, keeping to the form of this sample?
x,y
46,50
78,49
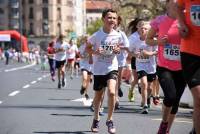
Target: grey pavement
x,y
41,108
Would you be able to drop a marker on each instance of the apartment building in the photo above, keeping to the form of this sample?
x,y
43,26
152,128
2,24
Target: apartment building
x,y
40,18
9,14
94,9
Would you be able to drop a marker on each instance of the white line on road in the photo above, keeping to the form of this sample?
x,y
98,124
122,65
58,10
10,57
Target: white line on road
x,y
1,102
26,86
33,82
14,93
19,68
85,102
39,78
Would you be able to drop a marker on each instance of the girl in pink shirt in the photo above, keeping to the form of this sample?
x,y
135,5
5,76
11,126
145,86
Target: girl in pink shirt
x,y
164,33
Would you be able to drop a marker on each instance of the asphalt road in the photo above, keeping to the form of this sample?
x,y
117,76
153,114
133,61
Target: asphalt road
x,y
30,103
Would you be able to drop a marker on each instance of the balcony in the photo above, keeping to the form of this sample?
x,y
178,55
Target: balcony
x,y
14,15
14,24
14,4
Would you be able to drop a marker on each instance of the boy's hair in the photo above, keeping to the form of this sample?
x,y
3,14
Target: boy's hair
x,y
105,12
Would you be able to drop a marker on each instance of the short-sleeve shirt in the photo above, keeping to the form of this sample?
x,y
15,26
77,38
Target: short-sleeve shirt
x,y
106,62
168,54
71,51
191,44
145,63
84,62
60,56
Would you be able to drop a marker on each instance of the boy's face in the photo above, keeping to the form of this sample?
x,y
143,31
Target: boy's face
x,y
110,20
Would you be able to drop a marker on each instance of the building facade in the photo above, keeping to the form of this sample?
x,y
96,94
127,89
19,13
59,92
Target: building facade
x,y
41,18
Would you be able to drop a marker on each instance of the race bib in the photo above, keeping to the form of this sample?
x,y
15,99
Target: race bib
x,y
172,52
108,49
142,58
195,15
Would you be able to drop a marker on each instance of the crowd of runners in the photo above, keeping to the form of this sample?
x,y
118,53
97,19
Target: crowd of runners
x,y
162,52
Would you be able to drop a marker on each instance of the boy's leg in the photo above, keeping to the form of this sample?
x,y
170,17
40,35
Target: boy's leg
x,y
97,102
111,97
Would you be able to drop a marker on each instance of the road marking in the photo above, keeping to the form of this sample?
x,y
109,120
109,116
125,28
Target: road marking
x,y
85,102
1,102
19,68
14,93
176,120
39,78
33,82
26,86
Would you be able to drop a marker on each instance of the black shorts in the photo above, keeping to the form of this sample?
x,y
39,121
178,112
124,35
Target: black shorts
x,y
89,73
133,59
60,63
100,81
150,77
191,69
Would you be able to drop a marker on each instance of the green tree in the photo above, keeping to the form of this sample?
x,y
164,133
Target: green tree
x,y
94,26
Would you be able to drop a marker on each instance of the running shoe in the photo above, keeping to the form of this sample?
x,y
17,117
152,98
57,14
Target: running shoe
x,y
111,128
149,102
163,128
131,95
87,97
82,91
59,85
53,78
63,82
145,110
120,93
117,105
95,126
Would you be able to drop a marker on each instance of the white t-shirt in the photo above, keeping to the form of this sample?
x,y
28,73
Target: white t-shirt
x,y
123,54
106,62
71,51
132,38
145,63
84,62
60,56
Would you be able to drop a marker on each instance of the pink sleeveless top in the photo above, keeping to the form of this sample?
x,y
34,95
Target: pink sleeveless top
x,y
168,54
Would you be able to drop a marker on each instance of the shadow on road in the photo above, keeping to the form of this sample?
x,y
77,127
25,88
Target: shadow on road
x,y
64,132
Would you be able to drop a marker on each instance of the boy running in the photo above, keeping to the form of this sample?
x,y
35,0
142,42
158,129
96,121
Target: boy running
x,y
104,45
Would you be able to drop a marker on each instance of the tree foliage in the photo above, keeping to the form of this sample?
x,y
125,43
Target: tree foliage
x,y
94,26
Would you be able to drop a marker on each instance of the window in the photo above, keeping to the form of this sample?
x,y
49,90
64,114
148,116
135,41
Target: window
x,y
30,1
45,27
31,16
58,13
70,18
31,28
45,1
58,29
2,1
58,1
70,3
45,13
1,11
